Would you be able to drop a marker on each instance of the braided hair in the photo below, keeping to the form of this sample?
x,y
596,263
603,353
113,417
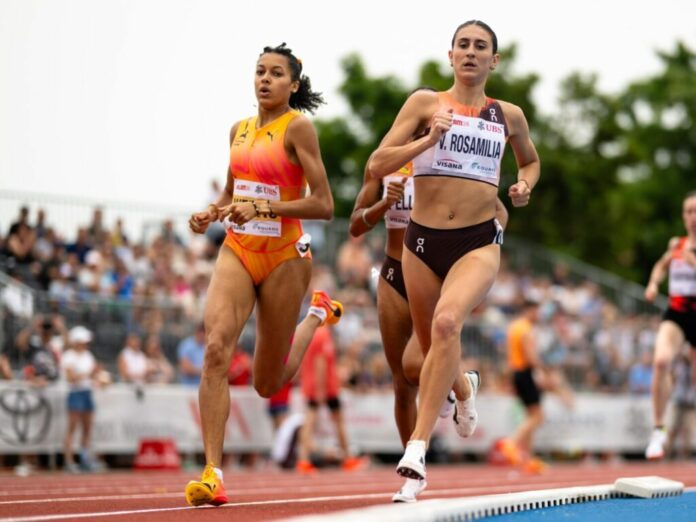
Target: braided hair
x,y
304,99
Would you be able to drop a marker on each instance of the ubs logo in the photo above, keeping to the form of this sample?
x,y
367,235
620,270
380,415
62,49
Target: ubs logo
x,y
25,416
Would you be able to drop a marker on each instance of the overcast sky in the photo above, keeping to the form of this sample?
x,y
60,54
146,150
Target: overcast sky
x,y
133,99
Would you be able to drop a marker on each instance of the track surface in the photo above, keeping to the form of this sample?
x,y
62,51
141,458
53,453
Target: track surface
x,y
274,495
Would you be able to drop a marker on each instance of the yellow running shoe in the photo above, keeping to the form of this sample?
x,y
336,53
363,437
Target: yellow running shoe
x,y
334,309
209,490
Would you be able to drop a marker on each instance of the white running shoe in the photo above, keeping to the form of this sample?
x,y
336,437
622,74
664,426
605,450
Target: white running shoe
x,y
410,490
412,464
465,415
656,447
448,406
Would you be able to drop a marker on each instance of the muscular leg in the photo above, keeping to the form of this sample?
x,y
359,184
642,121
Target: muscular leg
x,y
669,340
464,287
277,309
228,306
395,327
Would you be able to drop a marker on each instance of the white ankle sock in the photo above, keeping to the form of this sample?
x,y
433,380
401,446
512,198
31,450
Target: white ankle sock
x,y
218,472
318,311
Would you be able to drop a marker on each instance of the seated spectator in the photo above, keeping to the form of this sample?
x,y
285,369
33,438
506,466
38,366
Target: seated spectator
x,y
132,362
159,369
41,345
20,244
354,262
191,352
640,375
16,297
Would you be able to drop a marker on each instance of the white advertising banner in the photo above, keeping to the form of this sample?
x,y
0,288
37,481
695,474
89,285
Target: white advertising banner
x,y
34,419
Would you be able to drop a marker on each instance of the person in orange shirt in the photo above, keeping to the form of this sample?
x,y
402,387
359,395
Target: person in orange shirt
x,y
524,362
452,242
265,261
320,385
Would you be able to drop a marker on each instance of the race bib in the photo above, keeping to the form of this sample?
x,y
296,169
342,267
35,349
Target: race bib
x,y
262,225
682,279
472,148
399,213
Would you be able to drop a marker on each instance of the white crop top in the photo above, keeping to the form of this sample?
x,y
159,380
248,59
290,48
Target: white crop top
x,y
472,148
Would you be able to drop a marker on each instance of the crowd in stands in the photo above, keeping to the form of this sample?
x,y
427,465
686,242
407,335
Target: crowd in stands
x,y
143,300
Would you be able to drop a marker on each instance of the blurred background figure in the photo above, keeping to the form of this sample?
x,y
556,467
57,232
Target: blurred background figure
x,y
526,367
191,353
681,428
159,369
41,345
132,362
81,373
320,386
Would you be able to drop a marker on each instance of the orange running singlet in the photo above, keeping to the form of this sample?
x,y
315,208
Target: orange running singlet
x,y
262,170
517,331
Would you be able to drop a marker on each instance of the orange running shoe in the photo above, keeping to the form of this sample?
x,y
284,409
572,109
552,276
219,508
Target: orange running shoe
x,y
511,452
305,467
208,490
333,309
534,466
355,463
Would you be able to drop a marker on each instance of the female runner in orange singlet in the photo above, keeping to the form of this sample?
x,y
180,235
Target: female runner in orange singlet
x,y
265,260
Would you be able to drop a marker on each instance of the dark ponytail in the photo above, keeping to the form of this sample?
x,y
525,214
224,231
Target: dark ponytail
x,y
304,99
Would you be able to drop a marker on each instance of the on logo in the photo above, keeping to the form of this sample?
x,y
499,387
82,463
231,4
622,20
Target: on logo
x,y
390,274
420,245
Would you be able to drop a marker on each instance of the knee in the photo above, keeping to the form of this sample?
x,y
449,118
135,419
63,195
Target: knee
x,y
661,364
411,376
216,356
267,388
404,391
445,326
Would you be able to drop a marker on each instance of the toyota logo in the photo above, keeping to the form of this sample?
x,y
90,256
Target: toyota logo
x,y
25,416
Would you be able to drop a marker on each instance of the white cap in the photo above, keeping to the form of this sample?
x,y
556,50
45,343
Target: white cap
x,y
79,334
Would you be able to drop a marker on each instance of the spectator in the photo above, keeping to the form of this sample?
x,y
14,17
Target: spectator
x,y
159,369
23,218
354,262
191,353
96,231
47,332
132,362
20,244
81,246
16,297
81,371
640,375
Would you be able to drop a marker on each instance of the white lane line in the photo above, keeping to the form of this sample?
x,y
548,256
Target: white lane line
x,y
64,516
431,491
164,510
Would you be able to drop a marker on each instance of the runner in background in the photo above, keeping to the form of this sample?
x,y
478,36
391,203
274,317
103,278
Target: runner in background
x,y
678,322
320,386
